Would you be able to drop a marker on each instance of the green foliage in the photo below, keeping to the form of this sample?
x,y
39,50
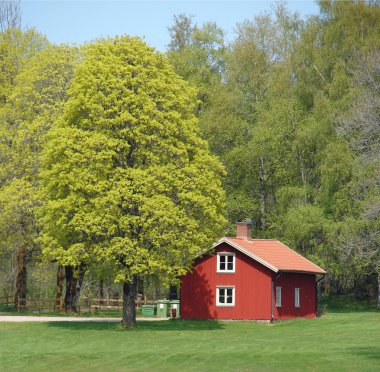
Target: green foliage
x,y
305,228
295,122
37,89
197,54
38,93
336,170
16,47
127,179
17,222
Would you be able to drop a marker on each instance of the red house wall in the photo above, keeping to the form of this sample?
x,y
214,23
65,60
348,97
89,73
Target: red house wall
x,y
252,283
288,282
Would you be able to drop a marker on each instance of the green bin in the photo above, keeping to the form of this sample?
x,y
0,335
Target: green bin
x,y
148,310
162,308
174,309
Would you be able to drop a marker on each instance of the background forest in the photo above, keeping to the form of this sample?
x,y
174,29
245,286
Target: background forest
x,y
291,107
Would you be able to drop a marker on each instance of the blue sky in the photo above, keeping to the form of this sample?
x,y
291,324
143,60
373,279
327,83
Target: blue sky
x,y
81,21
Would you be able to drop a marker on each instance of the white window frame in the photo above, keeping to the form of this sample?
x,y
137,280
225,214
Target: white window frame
x,y
278,296
226,271
297,297
222,304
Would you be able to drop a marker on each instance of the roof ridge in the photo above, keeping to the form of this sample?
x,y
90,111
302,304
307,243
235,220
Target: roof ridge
x,y
251,240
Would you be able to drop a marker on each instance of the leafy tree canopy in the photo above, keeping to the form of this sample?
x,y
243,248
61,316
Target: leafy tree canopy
x,y
127,177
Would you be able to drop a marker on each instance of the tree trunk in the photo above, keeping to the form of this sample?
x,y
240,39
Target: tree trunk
x,y
129,302
101,292
303,176
262,195
74,280
20,294
59,288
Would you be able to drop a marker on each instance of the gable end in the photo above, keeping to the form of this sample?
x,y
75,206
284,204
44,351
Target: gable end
x,y
249,254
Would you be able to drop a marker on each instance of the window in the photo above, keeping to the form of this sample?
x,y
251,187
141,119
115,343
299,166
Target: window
x,y
297,297
225,296
225,262
278,296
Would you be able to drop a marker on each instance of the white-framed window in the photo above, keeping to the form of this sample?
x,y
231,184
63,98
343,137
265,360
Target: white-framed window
x,y
278,296
225,262
225,296
297,302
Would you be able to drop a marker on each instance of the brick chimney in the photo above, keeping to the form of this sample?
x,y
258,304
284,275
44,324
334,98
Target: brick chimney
x,y
244,230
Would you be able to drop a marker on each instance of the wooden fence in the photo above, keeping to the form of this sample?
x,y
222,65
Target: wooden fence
x,y
85,304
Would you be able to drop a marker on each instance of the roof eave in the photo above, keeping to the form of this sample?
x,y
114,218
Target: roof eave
x,y
303,271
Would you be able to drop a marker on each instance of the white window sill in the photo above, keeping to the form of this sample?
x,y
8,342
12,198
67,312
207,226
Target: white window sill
x,y
225,305
225,272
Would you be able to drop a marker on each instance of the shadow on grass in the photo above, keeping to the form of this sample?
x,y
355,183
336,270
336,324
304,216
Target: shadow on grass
x,y
142,326
370,352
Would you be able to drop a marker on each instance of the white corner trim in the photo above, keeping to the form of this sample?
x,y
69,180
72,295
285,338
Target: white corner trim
x,y
249,254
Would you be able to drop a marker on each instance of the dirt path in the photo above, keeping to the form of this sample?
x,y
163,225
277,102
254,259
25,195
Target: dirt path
x,y
15,318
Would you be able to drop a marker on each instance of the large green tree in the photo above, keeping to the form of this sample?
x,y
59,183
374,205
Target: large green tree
x,y
127,178
37,95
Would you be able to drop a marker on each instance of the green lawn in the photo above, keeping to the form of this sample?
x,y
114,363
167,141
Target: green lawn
x,y
347,341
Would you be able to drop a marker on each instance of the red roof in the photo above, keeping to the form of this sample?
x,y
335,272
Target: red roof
x,y
273,254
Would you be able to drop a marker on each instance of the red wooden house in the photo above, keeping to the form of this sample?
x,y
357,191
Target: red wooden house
x,y
246,278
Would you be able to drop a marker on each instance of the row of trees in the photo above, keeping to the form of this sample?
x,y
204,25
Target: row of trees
x,y
291,107
104,168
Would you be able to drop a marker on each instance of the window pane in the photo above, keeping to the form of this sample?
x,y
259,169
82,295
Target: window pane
x,y
229,295
221,295
230,265
278,296
297,297
222,262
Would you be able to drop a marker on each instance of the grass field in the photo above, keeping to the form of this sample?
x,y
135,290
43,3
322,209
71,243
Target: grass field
x,y
339,341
